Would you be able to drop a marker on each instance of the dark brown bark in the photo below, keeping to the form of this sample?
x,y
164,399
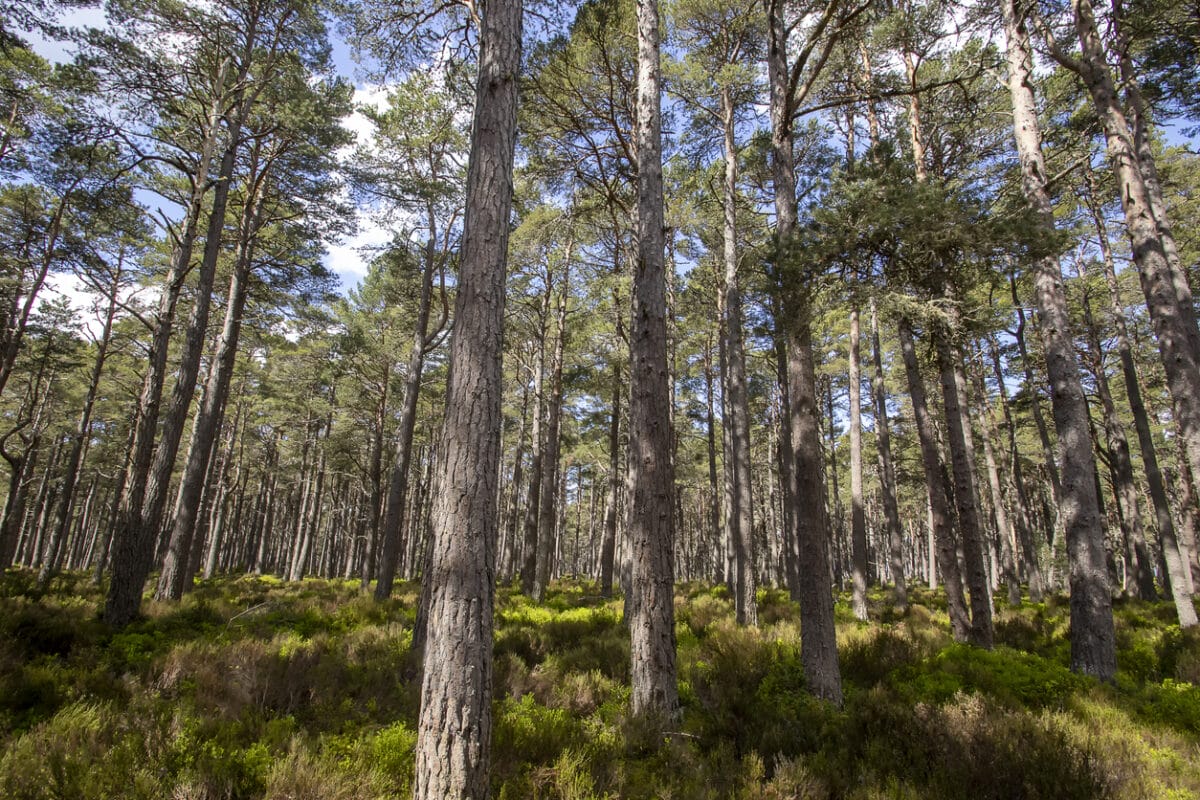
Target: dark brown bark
x,y
455,721
138,526
211,413
651,482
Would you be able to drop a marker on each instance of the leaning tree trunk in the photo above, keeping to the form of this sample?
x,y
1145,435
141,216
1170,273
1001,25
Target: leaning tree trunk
x,y
651,482
175,572
128,541
966,498
138,529
397,497
1029,553
455,721
1168,537
1004,527
939,507
1049,462
1093,642
1137,556
83,428
1172,318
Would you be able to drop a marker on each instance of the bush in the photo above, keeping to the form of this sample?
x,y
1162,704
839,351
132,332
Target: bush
x,y
84,751
1010,678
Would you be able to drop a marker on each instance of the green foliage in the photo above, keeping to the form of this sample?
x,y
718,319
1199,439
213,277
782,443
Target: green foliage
x,y
254,688
1005,676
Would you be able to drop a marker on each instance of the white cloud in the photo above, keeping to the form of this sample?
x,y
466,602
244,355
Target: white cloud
x,y
349,259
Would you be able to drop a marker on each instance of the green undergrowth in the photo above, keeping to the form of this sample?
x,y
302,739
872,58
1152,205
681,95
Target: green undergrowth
x,y
257,688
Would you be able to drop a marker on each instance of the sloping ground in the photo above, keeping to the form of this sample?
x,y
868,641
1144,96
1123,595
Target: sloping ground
x,y
254,688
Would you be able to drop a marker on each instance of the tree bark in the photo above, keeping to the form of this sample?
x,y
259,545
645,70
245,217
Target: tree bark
x,y
651,506
939,507
455,721
608,548
1004,528
1168,536
211,413
130,571
548,496
1029,553
966,497
1093,638
1138,565
818,638
887,471
741,518
397,497
1171,314
1049,461
858,516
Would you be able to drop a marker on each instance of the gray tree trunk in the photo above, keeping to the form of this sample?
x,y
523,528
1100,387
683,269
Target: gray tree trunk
x,y
1139,568
1093,639
818,637
548,496
1168,536
858,515
966,497
1029,553
939,507
887,470
741,517
1005,530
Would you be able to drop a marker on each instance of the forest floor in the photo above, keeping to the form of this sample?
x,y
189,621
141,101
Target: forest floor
x,y
256,688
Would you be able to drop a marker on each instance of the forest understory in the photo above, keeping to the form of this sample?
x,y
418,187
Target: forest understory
x,y
253,687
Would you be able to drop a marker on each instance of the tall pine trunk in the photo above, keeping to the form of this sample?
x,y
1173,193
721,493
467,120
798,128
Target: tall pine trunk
x,y
1093,638
887,470
818,639
737,420
940,518
651,502
858,515
454,726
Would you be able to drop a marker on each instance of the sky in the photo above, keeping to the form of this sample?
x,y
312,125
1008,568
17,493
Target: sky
x,y
347,259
